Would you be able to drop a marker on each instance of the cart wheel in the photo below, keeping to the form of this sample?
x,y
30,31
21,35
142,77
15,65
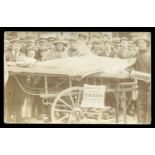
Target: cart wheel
x,y
66,108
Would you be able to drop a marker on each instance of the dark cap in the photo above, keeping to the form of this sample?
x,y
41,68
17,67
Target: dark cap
x,y
15,41
30,38
83,35
42,39
51,38
116,40
97,42
142,38
124,38
107,41
60,41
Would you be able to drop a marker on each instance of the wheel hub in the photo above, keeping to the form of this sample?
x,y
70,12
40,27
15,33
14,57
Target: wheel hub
x,y
77,111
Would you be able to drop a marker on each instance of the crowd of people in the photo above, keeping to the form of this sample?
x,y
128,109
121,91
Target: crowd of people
x,y
52,47
49,48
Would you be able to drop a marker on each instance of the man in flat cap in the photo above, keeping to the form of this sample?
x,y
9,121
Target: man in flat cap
x,y
116,46
42,110
15,96
83,36
51,47
43,43
108,52
23,45
72,49
97,48
40,45
89,44
60,46
125,51
30,40
14,54
77,48
82,47
143,64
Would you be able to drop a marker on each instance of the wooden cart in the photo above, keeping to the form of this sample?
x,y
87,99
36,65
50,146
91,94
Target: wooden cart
x,y
66,101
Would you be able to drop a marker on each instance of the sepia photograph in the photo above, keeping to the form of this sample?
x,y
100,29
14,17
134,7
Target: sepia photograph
x,y
53,77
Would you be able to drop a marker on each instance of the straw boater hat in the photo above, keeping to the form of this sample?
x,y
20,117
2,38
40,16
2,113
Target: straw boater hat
x,y
51,39
97,41
142,38
42,39
116,40
107,41
15,40
60,41
83,35
124,38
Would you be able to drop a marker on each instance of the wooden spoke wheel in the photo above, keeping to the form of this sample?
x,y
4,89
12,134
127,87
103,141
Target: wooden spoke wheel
x,y
67,108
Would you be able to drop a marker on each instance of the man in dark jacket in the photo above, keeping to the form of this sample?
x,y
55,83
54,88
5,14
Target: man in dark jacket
x,y
14,94
143,64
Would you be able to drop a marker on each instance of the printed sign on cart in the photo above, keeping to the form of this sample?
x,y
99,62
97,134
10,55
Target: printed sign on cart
x,y
93,96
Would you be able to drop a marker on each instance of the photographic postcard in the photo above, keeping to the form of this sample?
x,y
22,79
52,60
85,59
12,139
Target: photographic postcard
x,y
77,77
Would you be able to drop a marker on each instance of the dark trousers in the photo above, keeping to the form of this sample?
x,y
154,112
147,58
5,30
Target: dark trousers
x,y
14,100
143,105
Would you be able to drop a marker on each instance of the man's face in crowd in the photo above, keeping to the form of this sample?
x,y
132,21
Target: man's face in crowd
x,y
16,46
89,44
30,43
43,44
43,52
59,46
131,46
37,44
116,44
31,53
105,38
97,46
108,48
23,44
142,44
108,45
82,39
6,45
50,44
73,44
124,43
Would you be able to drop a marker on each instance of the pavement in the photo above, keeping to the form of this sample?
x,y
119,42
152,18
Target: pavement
x,y
130,120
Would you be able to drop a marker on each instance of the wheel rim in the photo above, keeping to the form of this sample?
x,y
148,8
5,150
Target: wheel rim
x,y
67,108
